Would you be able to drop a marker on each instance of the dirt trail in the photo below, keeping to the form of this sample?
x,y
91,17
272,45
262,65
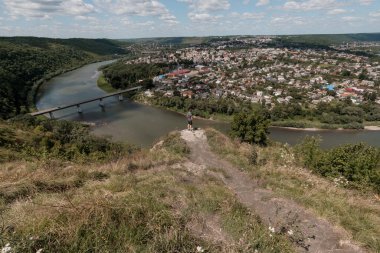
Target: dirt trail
x,y
308,232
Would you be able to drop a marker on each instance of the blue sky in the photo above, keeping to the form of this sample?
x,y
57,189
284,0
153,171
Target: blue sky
x,y
163,18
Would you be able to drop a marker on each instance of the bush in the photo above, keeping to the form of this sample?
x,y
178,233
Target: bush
x,y
46,138
251,127
358,164
353,125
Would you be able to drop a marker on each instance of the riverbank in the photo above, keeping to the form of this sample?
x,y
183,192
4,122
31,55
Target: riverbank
x,y
297,124
34,93
104,85
291,125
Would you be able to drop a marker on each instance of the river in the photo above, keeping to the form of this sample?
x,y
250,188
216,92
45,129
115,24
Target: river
x,y
143,125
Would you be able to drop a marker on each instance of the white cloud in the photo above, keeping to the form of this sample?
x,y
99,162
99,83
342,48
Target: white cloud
x,y
365,2
248,15
287,20
336,11
46,8
375,14
351,19
262,2
246,2
203,17
311,5
138,8
207,5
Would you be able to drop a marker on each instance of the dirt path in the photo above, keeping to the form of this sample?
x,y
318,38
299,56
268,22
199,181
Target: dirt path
x,y
308,232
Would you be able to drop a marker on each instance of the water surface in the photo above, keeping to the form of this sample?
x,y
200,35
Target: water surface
x,y
143,125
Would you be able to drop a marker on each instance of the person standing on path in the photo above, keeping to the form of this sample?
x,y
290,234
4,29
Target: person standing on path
x,y
189,117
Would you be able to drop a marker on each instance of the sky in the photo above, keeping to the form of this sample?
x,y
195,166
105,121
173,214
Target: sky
x,y
119,19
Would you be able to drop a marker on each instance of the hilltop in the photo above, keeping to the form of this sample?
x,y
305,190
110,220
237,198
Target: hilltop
x,y
191,192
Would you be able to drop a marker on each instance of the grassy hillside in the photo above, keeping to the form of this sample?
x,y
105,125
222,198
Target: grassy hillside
x,y
63,190
25,62
145,201
278,167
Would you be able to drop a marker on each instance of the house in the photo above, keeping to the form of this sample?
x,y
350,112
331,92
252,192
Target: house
x,y
187,93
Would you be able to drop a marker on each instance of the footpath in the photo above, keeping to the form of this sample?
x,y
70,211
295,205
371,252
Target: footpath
x,y
308,232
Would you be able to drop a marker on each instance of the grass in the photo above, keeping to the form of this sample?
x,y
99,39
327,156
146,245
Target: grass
x,y
277,169
146,201
105,85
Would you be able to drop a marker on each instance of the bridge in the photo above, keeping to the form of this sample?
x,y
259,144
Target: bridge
x,y
78,104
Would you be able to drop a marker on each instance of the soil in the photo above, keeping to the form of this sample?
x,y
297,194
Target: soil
x,y
306,230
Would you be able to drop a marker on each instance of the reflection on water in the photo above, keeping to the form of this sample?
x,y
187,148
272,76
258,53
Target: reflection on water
x,y
142,125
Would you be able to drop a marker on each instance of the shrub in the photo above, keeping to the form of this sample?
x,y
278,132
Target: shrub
x,y
46,138
359,164
251,127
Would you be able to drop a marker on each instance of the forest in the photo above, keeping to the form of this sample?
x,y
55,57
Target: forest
x,y
122,76
26,62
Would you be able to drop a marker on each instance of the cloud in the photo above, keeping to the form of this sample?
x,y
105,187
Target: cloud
x,y
248,15
138,8
351,19
203,17
375,14
311,5
207,5
46,8
336,11
365,2
287,20
262,2
246,2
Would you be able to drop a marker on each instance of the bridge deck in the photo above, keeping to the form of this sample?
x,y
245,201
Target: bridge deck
x,y
54,109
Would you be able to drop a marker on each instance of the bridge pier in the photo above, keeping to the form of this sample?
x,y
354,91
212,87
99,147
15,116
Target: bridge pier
x,y
51,115
121,97
101,103
79,109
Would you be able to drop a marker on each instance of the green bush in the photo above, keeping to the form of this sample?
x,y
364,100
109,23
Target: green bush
x,y
46,138
357,164
251,127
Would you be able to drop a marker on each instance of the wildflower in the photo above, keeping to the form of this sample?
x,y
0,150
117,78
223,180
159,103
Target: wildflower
x,y
7,248
200,249
39,251
290,232
271,229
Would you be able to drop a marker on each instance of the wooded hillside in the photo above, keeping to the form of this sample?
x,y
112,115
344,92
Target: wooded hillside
x,y
25,62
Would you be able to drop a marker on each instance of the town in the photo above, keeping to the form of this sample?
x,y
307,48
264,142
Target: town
x,y
266,75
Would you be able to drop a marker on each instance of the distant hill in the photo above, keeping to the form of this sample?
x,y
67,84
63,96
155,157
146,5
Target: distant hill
x,y
26,61
95,46
177,40
331,39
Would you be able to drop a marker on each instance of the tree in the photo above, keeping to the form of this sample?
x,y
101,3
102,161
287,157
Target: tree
x,y
251,127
